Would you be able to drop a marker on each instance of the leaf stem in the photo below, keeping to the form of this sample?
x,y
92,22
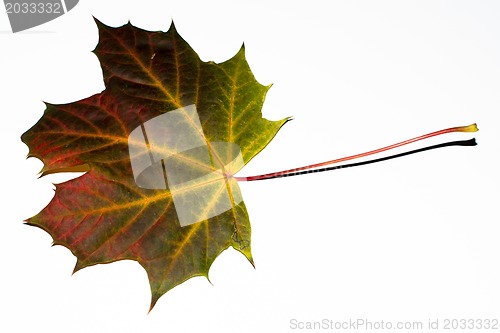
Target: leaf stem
x,y
306,169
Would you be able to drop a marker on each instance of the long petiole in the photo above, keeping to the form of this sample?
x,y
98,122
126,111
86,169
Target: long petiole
x,y
304,170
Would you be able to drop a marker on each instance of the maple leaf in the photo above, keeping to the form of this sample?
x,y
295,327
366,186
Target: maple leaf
x,y
160,145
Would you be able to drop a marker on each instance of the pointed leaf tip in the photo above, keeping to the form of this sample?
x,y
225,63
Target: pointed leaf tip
x,y
242,51
99,23
172,28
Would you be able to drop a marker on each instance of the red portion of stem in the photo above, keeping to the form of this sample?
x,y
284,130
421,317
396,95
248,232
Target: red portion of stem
x,y
470,128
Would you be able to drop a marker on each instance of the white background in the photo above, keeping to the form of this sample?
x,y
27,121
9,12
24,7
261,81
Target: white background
x,y
411,239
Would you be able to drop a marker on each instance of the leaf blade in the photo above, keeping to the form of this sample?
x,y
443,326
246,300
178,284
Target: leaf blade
x,y
106,215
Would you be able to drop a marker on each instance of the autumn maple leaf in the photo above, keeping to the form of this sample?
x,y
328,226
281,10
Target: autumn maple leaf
x,y
160,145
